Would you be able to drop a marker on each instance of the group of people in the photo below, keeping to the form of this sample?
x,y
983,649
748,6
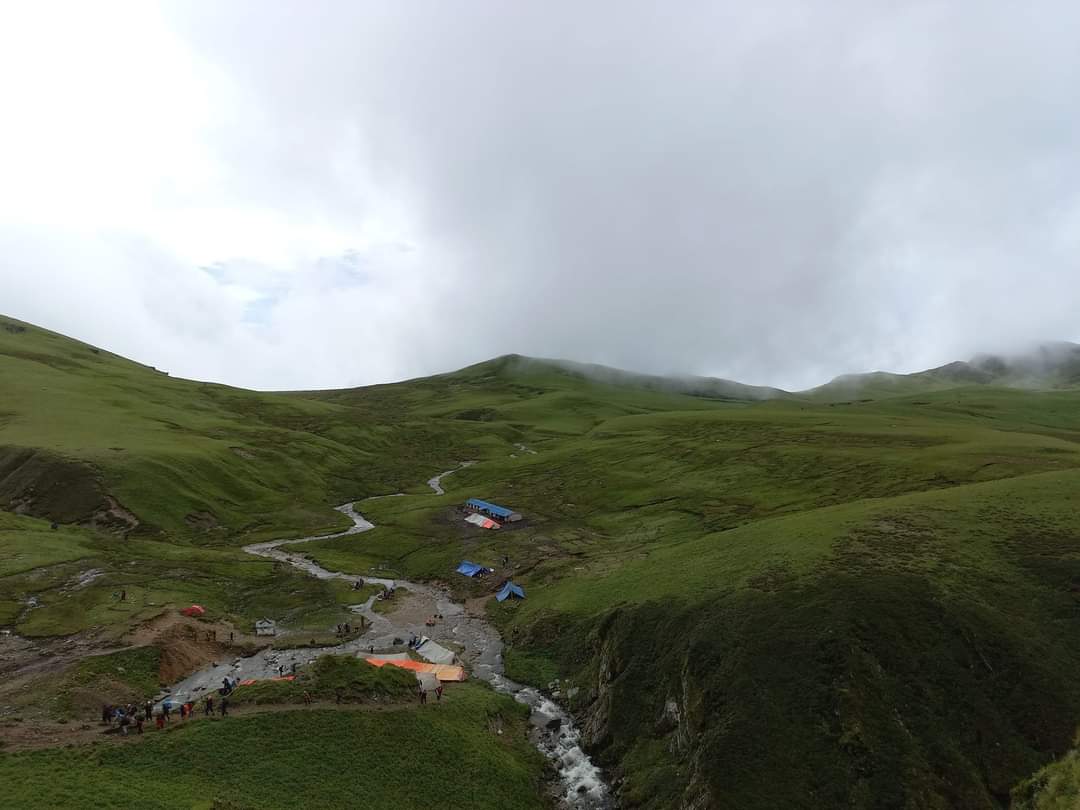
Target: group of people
x,y
187,709
126,716
131,716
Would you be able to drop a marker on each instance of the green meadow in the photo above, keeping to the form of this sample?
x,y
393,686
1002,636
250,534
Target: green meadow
x,y
469,750
866,595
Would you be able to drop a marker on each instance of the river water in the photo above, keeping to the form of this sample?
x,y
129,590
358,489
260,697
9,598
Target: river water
x,y
552,729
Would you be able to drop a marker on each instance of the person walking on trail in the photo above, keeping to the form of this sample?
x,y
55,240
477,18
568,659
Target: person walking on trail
x,y
230,636
438,693
307,698
224,707
166,708
123,595
149,710
138,723
160,721
106,714
209,707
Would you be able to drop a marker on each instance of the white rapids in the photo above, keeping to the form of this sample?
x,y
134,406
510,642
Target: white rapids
x,y
552,728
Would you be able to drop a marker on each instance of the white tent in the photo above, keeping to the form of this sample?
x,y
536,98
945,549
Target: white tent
x,y
483,522
435,653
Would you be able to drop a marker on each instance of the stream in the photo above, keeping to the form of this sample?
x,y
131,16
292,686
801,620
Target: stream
x,y
552,729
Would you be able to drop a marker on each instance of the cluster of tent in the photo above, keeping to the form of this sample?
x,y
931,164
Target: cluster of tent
x,y
509,589
443,672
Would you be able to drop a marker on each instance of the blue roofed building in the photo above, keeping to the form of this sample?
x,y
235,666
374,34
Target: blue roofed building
x,y
492,510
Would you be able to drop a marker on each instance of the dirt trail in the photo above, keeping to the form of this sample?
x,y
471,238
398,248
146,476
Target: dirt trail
x,y
16,736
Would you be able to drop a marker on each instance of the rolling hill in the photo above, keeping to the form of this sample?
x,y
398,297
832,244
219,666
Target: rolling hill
x,y
865,595
1049,366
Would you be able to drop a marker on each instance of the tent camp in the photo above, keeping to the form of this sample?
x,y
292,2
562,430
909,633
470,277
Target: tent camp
x,y
194,610
442,671
471,569
510,591
483,522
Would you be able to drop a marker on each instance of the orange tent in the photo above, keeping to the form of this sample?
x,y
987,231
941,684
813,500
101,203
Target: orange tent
x,y
444,672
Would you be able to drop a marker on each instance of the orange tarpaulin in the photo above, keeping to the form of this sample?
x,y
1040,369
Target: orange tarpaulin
x,y
444,672
250,681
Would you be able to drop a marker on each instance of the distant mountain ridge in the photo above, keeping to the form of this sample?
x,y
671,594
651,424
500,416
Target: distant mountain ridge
x,y
1046,366
516,365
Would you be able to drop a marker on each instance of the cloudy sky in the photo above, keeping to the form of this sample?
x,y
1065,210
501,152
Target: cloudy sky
x,y
315,194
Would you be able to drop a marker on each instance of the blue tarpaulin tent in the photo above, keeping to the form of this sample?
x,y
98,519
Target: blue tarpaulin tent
x,y
510,591
470,569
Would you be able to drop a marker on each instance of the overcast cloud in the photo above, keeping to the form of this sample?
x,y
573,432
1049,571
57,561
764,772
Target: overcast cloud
x,y
321,194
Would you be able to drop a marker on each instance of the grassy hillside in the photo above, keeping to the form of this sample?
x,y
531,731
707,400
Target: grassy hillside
x,y
89,436
468,751
1055,787
876,599
875,596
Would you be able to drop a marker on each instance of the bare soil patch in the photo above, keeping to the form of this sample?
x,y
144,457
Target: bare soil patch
x,y
413,609
188,645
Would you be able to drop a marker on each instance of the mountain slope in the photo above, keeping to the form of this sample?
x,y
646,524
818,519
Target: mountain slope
x,y
750,601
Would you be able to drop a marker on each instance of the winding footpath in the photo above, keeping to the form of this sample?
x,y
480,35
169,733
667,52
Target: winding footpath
x,y
552,728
